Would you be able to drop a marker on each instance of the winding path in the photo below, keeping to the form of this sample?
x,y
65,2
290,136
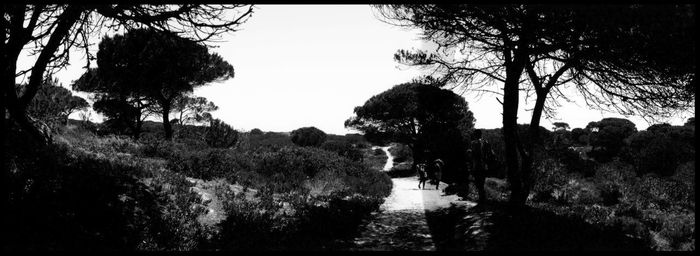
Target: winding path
x,y
389,158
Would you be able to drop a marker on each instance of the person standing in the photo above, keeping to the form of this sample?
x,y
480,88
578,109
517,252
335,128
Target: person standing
x,y
438,165
480,153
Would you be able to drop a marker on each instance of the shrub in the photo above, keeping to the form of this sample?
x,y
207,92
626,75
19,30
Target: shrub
x,y
661,149
220,134
401,153
308,136
549,176
256,131
209,164
610,193
343,148
63,197
679,229
628,225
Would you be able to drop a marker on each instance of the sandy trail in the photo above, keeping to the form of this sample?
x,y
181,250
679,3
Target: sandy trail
x,y
401,222
389,160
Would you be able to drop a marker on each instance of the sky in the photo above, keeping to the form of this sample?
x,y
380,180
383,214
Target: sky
x,y
310,65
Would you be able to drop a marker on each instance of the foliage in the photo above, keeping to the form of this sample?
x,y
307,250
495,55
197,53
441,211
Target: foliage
x,y
308,137
608,141
267,139
56,30
661,148
485,45
124,110
343,148
421,116
654,209
88,193
560,125
193,110
220,134
401,152
690,122
579,136
53,103
256,132
157,66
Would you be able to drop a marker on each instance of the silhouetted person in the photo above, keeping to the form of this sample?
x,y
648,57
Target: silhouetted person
x,y
480,153
422,174
437,167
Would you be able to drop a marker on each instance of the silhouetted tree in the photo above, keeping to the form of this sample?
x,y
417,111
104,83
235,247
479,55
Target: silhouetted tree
x,y
192,110
607,136
422,116
159,66
690,122
579,136
480,45
124,109
560,126
51,31
308,137
53,103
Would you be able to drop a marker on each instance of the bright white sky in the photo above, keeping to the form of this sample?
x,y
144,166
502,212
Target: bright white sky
x,y
310,65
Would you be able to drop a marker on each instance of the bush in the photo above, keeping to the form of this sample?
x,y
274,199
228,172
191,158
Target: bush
x,y
628,225
401,153
308,137
679,229
661,149
610,193
208,164
343,148
220,134
64,197
549,177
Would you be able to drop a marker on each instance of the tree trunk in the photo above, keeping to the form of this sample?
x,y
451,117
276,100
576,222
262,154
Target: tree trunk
x,y
416,156
528,155
137,128
510,124
510,130
167,128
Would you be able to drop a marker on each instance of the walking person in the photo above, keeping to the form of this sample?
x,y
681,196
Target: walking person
x,y
438,165
422,174
481,152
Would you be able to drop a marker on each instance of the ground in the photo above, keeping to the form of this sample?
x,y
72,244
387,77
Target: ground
x,y
402,222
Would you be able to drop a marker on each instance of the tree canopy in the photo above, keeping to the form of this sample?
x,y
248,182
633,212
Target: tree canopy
x,y
51,31
158,66
609,134
422,116
405,112
561,125
192,110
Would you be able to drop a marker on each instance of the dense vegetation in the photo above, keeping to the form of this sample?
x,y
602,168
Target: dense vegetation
x,y
87,191
640,183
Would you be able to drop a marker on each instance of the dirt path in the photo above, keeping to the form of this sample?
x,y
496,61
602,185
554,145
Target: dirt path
x,y
401,222
389,158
